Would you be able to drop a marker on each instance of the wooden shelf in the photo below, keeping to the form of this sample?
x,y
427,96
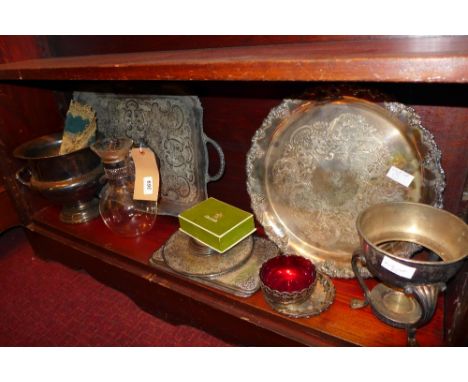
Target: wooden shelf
x,y
32,106
340,325
416,59
9,217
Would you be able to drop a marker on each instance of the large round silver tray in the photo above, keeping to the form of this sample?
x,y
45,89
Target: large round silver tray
x,y
314,166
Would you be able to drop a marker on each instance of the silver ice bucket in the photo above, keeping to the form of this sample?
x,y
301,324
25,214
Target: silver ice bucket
x,y
71,180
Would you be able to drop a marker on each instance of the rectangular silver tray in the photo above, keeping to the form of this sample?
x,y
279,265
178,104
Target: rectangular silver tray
x,y
243,281
172,127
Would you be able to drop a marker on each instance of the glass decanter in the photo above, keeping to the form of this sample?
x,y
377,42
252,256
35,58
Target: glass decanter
x,y
120,212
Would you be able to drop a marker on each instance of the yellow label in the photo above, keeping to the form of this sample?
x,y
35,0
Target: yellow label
x,y
146,175
215,217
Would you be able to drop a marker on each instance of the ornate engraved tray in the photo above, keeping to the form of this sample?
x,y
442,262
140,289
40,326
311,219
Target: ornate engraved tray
x,y
244,281
184,259
314,166
172,127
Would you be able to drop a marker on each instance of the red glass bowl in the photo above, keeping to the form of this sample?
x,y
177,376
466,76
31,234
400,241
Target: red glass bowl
x,y
287,279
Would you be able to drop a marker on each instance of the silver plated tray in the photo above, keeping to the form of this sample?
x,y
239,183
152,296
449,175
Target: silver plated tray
x,y
243,281
172,127
181,256
314,166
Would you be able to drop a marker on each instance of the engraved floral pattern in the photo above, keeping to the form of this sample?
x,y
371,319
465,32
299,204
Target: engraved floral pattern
x,y
308,186
242,281
179,257
325,173
172,127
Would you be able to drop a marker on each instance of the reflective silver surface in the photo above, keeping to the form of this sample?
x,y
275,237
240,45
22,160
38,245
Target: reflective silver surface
x,y
180,255
314,166
243,281
435,229
416,281
71,180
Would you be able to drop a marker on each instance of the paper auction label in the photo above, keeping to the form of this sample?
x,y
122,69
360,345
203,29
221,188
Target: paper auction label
x,y
397,268
400,176
146,175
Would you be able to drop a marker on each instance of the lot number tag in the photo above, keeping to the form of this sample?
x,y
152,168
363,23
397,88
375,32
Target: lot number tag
x,y
399,269
146,174
400,176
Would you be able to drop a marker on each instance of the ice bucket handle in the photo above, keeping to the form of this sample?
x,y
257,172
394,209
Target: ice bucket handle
x,y
20,176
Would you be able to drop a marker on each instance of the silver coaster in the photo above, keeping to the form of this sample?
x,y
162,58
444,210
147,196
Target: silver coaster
x,y
319,301
181,256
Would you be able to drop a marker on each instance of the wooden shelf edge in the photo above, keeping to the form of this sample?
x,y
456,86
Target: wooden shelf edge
x,y
251,311
203,294
422,59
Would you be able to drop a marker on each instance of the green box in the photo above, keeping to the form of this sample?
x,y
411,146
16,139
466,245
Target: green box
x,y
216,224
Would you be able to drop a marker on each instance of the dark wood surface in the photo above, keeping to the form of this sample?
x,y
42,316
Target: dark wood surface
x,y
340,325
416,59
8,215
234,105
170,299
456,309
19,48
88,45
25,113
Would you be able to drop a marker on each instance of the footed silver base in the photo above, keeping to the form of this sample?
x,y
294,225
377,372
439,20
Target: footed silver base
x,y
80,212
394,307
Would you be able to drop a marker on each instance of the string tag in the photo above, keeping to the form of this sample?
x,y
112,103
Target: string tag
x,y
146,174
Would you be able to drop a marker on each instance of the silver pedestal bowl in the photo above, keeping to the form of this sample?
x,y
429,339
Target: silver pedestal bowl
x,y
71,180
408,296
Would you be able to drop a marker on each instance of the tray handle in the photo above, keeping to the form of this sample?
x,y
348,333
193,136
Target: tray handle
x,y
222,162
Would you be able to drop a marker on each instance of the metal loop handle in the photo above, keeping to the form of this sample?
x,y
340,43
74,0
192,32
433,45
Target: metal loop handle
x,y
19,176
222,163
357,303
